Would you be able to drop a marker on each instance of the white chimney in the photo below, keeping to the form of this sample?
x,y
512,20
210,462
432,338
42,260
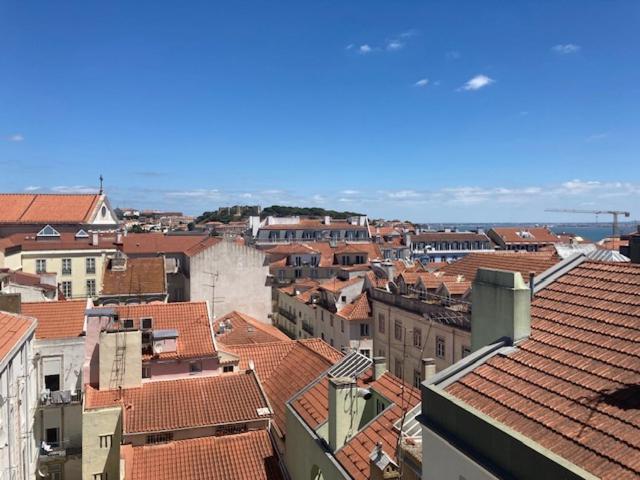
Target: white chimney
x,y
327,220
343,404
379,367
95,238
428,368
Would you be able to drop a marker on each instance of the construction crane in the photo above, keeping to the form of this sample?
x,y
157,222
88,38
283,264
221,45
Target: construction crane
x,y
615,228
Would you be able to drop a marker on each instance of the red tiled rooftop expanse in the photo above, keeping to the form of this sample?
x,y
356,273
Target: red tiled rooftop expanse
x,y
66,241
141,276
538,235
57,320
359,309
245,456
154,243
523,262
241,329
14,328
190,319
284,368
449,237
313,407
46,208
573,385
184,403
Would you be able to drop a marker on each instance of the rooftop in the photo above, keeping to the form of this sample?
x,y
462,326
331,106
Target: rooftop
x,y
57,320
202,401
517,235
358,309
572,386
449,237
237,328
156,243
51,209
141,276
14,329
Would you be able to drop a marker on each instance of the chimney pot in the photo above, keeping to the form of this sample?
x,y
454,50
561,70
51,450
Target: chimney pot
x,y
379,367
428,368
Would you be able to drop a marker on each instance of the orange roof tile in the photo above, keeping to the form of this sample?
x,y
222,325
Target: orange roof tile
x,y
572,386
155,243
449,237
47,208
313,407
336,286
14,329
523,262
284,368
241,329
191,319
358,309
66,241
512,235
203,401
141,276
249,455
56,320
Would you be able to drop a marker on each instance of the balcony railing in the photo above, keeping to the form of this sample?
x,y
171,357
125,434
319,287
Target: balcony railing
x,y
60,397
288,315
58,449
307,327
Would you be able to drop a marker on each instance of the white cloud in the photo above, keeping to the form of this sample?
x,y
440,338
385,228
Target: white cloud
x,y
423,82
350,192
578,186
32,188
364,48
349,47
597,136
402,194
197,193
566,49
16,137
409,33
74,189
477,82
394,45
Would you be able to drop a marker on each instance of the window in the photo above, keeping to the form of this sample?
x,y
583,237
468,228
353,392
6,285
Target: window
x,y
52,437
52,382
364,329
48,231
343,298
146,323
440,347
397,330
379,406
417,378
227,369
466,350
366,352
66,266
106,440
280,274
345,260
342,326
195,367
90,265
160,437
398,368
322,336
146,372
298,273
331,320
41,265
314,261
66,289
82,234
127,323
100,476
359,259
331,342
298,261
381,352
91,288
417,337
381,322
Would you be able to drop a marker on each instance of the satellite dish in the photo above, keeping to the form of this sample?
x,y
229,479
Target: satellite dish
x,y
157,348
43,470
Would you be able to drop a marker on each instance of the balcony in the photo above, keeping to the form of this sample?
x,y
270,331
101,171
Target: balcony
x,y
288,315
57,450
307,327
60,397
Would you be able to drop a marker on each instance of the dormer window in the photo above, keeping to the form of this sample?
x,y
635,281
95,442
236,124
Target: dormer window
x,y
127,323
146,323
48,232
82,234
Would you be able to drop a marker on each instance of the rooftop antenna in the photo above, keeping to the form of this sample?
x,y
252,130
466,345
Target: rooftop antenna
x,y
101,190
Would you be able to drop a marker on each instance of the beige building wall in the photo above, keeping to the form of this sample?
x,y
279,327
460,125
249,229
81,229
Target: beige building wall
x,y
403,355
120,359
78,276
101,438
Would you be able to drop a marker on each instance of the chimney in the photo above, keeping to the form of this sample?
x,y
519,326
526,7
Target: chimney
x,y
327,220
428,368
501,308
11,302
95,239
381,466
119,238
379,367
342,403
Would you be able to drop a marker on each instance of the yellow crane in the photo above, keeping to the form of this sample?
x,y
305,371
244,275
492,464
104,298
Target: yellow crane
x,y
615,228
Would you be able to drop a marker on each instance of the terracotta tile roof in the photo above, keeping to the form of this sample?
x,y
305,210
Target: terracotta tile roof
x,y
313,407
14,328
613,243
433,280
155,243
27,279
308,224
572,386
66,241
277,256
449,237
191,319
243,456
336,286
377,282
56,320
358,309
370,249
202,401
141,276
513,235
523,262
456,286
286,367
242,329
47,208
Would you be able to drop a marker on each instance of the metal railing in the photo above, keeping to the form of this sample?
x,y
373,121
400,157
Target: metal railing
x,y
307,327
288,315
60,397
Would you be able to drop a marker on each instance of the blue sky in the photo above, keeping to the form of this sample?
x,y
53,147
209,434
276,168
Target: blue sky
x,y
433,111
